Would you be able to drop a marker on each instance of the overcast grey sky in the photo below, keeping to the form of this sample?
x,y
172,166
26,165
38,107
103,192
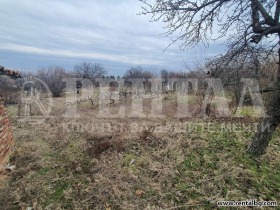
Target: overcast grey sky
x,y
58,32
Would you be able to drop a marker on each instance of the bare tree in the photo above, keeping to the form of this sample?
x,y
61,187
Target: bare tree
x,y
53,77
248,63
249,20
135,72
172,74
87,70
139,72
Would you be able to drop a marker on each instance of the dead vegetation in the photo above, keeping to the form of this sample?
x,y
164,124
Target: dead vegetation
x,y
144,169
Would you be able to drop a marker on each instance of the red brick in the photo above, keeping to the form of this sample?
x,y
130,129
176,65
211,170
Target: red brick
x,y
6,135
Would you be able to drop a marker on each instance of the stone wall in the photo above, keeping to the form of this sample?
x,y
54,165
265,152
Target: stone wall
x,y
6,135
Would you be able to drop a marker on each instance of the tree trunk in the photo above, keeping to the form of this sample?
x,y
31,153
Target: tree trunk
x,y
269,123
263,135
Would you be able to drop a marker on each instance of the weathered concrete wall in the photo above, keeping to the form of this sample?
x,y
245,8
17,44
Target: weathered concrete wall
x,y
6,135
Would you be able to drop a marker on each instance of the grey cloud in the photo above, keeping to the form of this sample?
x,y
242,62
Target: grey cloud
x,y
108,32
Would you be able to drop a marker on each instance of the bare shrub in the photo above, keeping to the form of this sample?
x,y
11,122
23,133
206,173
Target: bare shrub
x,y
8,90
53,77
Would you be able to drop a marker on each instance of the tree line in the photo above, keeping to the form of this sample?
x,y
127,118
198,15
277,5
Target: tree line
x,y
258,64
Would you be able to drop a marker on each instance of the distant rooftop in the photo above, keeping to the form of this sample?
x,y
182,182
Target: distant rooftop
x,y
10,73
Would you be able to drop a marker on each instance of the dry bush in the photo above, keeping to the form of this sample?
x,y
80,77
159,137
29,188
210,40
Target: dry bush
x,y
100,144
53,77
9,90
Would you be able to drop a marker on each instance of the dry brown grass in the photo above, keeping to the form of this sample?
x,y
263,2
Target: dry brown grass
x,y
145,169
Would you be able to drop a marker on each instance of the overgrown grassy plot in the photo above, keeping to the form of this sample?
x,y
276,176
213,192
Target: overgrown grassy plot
x,y
144,170
223,171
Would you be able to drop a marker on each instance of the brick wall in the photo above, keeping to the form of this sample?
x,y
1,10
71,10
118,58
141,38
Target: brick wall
x,y
6,135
